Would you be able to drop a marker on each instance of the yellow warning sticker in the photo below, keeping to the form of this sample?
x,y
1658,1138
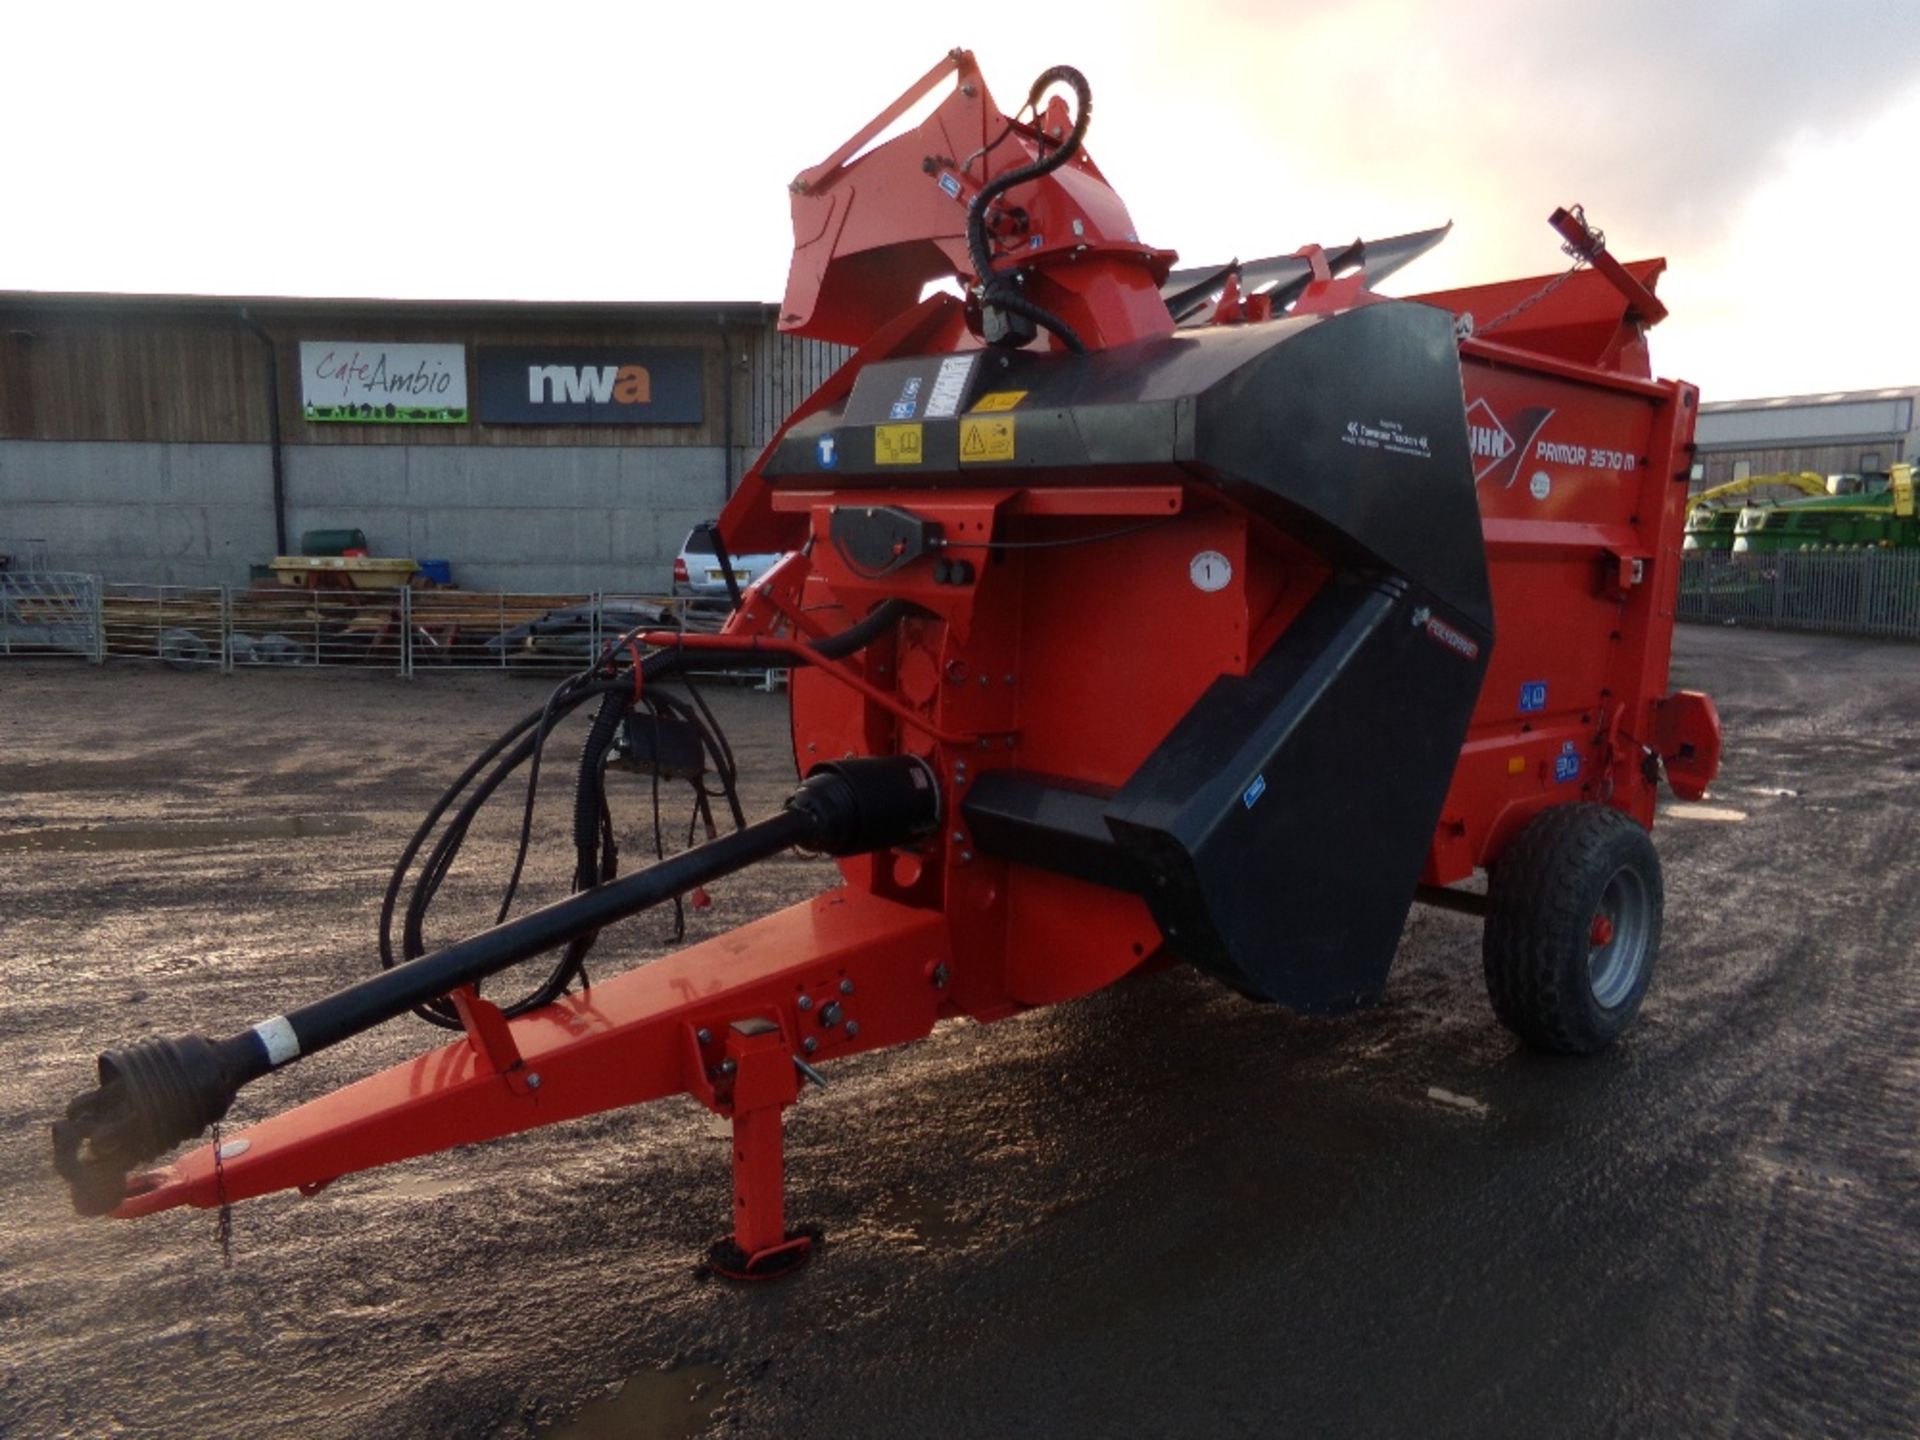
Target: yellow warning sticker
x,y
986,440
999,400
897,445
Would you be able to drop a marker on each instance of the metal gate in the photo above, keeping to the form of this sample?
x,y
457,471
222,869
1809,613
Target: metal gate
x,y
48,612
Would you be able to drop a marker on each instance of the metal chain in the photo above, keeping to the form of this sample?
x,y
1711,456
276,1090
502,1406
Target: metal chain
x,y
225,1226
1579,264
1596,242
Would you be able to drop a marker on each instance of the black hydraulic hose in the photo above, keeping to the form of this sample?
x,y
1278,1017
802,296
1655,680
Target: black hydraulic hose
x,y
594,853
593,847
714,739
440,862
530,733
1015,304
977,211
858,636
446,800
589,781
589,798
998,289
589,795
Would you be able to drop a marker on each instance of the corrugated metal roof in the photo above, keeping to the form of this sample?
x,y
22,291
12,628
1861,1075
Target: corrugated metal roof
x,y
271,306
1841,417
1833,397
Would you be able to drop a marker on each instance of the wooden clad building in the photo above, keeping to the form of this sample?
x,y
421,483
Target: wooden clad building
x,y
180,438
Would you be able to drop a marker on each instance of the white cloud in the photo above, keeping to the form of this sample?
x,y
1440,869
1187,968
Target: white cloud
x,y
1814,286
641,151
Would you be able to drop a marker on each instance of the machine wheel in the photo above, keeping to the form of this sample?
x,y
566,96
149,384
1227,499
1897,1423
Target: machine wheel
x,y
1573,928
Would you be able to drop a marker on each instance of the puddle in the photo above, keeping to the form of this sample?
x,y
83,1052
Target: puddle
x,y
181,835
921,1220
1463,1104
1702,812
674,1404
1776,1162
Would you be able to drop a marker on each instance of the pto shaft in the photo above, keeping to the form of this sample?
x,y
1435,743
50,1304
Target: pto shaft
x,y
157,1093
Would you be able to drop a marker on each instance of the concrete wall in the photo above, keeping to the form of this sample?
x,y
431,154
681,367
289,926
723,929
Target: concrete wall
x,y
509,519
564,519
165,514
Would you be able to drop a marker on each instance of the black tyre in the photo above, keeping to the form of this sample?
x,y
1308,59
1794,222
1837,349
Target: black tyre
x,y
276,649
182,649
1573,928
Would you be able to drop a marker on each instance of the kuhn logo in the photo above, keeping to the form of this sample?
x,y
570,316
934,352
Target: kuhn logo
x,y
1487,438
1496,450
583,384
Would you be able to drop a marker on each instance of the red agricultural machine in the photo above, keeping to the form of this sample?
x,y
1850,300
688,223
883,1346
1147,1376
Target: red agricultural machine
x,y
1136,618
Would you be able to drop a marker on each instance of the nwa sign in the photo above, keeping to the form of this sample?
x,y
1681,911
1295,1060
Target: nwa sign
x,y
592,385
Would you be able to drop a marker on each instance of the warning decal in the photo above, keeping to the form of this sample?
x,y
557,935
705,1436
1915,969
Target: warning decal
x,y
897,445
999,400
986,440
949,386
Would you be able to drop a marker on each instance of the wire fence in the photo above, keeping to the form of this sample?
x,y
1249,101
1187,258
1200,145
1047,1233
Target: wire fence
x,y
1843,592
401,631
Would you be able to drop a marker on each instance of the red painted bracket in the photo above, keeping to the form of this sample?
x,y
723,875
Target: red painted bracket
x,y
1686,734
1583,242
492,1039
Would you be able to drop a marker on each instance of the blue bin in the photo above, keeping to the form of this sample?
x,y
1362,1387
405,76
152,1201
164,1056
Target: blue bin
x,y
440,572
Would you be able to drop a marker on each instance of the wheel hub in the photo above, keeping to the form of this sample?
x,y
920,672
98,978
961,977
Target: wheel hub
x,y
1617,937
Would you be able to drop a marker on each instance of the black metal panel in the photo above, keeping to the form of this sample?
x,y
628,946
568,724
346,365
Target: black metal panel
x,y
1049,823
1355,431
1348,429
1282,824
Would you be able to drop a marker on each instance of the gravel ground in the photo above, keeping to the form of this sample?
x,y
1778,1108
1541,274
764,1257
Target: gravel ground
x,y
1160,1210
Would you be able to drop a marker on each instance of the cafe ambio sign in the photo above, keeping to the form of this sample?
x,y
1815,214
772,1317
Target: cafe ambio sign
x,y
371,383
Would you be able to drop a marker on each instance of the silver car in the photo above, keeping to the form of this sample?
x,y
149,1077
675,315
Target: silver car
x,y
697,572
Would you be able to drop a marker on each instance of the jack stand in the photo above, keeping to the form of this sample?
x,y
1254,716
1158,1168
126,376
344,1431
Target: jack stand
x,y
765,1082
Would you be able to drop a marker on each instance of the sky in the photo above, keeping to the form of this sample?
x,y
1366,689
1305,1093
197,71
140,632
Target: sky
x,y
641,151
